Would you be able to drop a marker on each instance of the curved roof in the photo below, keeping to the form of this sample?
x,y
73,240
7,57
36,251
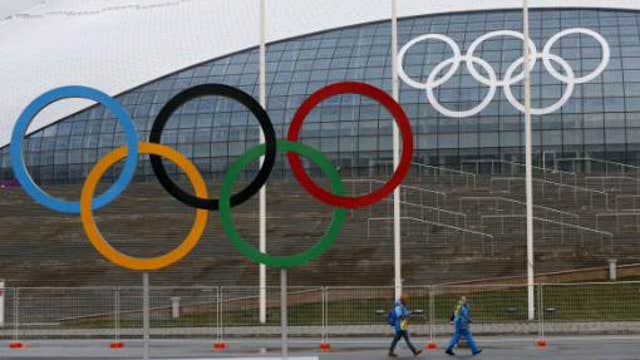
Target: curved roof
x,y
115,45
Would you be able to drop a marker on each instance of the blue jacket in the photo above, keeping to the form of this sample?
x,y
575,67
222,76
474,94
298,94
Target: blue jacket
x,y
401,314
462,318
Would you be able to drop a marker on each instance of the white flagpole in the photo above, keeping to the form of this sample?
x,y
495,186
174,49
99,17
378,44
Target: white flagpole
x,y
528,159
397,244
263,190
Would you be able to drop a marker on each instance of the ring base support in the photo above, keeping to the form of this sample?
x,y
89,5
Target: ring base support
x,y
432,346
541,344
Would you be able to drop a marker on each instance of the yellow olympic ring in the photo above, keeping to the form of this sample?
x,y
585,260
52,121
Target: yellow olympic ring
x,y
115,256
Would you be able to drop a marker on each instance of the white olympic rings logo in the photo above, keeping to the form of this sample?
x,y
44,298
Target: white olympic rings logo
x,y
492,81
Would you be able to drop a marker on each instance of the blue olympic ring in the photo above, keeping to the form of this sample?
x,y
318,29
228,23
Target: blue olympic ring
x,y
20,128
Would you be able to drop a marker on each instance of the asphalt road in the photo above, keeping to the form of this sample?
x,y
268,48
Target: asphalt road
x,y
503,348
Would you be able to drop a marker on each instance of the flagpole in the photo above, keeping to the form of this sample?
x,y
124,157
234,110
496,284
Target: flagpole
x,y
395,89
263,191
528,159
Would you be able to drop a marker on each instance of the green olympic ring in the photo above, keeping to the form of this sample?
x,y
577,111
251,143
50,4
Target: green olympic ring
x,y
253,254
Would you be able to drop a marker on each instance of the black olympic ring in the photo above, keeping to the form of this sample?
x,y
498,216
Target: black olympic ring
x,y
232,93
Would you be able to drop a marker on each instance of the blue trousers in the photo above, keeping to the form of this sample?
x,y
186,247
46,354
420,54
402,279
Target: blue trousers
x,y
466,334
402,334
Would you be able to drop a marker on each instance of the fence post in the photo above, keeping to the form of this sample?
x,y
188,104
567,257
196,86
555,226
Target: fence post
x,y
16,344
541,342
217,302
16,319
326,309
432,345
4,294
116,344
324,345
219,345
117,313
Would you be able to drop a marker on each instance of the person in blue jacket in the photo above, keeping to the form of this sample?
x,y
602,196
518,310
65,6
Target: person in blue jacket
x,y
399,318
461,321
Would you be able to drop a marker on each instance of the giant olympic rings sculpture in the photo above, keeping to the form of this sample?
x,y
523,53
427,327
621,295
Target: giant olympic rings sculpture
x,y
200,200
226,201
492,80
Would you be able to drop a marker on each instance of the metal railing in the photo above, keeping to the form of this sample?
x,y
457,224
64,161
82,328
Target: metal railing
x,y
621,201
497,167
315,312
412,197
544,230
457,230
558,189
441,215
470,179
612,183
602,166
547,211
597,301
631,221
438,198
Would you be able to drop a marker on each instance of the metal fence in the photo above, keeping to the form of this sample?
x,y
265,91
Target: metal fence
x,y
625,222
627,202
597,166
502,205
428,174
550,231
320,313
551,190
498,167
435,234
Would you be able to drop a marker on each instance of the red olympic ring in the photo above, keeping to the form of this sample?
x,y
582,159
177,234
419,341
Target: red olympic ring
x,y
401,120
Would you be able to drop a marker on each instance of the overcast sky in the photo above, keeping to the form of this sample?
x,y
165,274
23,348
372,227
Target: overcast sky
x,y
8,7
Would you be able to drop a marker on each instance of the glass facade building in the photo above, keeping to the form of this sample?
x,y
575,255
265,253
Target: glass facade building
x,y
601,119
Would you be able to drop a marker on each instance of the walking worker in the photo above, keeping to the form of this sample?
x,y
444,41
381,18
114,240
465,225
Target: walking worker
x,y
399,319
461,321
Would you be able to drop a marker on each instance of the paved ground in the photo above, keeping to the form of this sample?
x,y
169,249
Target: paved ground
x,y
581,348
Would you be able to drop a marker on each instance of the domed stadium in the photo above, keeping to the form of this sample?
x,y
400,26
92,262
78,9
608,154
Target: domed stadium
x,y
276,179
463,202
